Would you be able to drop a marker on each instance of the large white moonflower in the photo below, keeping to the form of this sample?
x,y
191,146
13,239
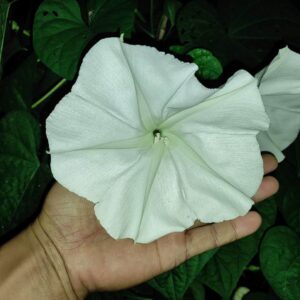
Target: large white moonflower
x,y
279,85
153,148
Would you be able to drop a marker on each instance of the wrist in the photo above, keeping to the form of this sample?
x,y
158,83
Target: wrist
x,y
49,253
32,268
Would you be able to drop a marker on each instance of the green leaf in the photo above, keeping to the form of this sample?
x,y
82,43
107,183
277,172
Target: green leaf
x,y
224,270
4,9
238,31
197,290
179,49
290,207
30,80
209,66
297,149
280,261
33,196
173,284
268,211
19,135
111,16
170,10
60,34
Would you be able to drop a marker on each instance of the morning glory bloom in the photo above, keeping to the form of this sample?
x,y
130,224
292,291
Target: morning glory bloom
x,y
154,149
279,85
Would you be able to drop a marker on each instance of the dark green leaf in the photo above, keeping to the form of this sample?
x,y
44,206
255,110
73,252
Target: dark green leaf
x,y
111,16
179,49
60,34
297,146
268,211
28,82
290,207
174,284
19,135
33,196
197,290
280,261
243,31
224,270
4,9
209,66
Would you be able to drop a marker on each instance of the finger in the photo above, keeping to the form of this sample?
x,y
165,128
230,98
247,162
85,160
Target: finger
x,y
270,163
269,186
211,236
173,249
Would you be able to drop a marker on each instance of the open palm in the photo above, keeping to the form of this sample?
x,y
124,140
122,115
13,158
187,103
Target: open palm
x,y
95,261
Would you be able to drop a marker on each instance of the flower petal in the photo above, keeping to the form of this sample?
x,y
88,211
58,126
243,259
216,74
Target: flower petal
x,y
185,188
91,172
112,69
211,197
146,217
280,89
236,108
234,158
78,124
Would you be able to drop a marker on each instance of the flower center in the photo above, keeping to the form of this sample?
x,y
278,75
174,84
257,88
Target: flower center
x,y
156,132
158,136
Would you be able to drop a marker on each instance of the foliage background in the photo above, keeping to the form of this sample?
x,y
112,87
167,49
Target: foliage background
x,y
41,46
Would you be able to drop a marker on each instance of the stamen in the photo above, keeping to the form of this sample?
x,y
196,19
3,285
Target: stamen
x,y
157,135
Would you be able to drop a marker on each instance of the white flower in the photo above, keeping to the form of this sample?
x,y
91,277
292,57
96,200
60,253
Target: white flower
x,y
279,85
154,149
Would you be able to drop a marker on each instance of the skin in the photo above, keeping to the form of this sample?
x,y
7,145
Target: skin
x,y
85,258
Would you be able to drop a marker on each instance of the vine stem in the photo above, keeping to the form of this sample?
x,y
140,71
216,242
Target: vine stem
x,y
49,93
162,28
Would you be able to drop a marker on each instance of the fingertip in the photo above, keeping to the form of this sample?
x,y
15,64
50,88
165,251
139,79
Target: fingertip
x,y
272,184
268,187
248,224
270,163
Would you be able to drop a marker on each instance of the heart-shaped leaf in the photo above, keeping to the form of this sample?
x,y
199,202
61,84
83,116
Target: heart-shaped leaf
x,y
290,207
209,66
19,135
197,290
28,82
238,32
60,34
280,261
224,270
174,284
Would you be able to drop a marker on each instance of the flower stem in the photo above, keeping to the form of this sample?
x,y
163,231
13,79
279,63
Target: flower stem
x,y
49,93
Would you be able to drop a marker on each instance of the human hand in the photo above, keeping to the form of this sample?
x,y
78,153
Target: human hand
x,y
95,261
